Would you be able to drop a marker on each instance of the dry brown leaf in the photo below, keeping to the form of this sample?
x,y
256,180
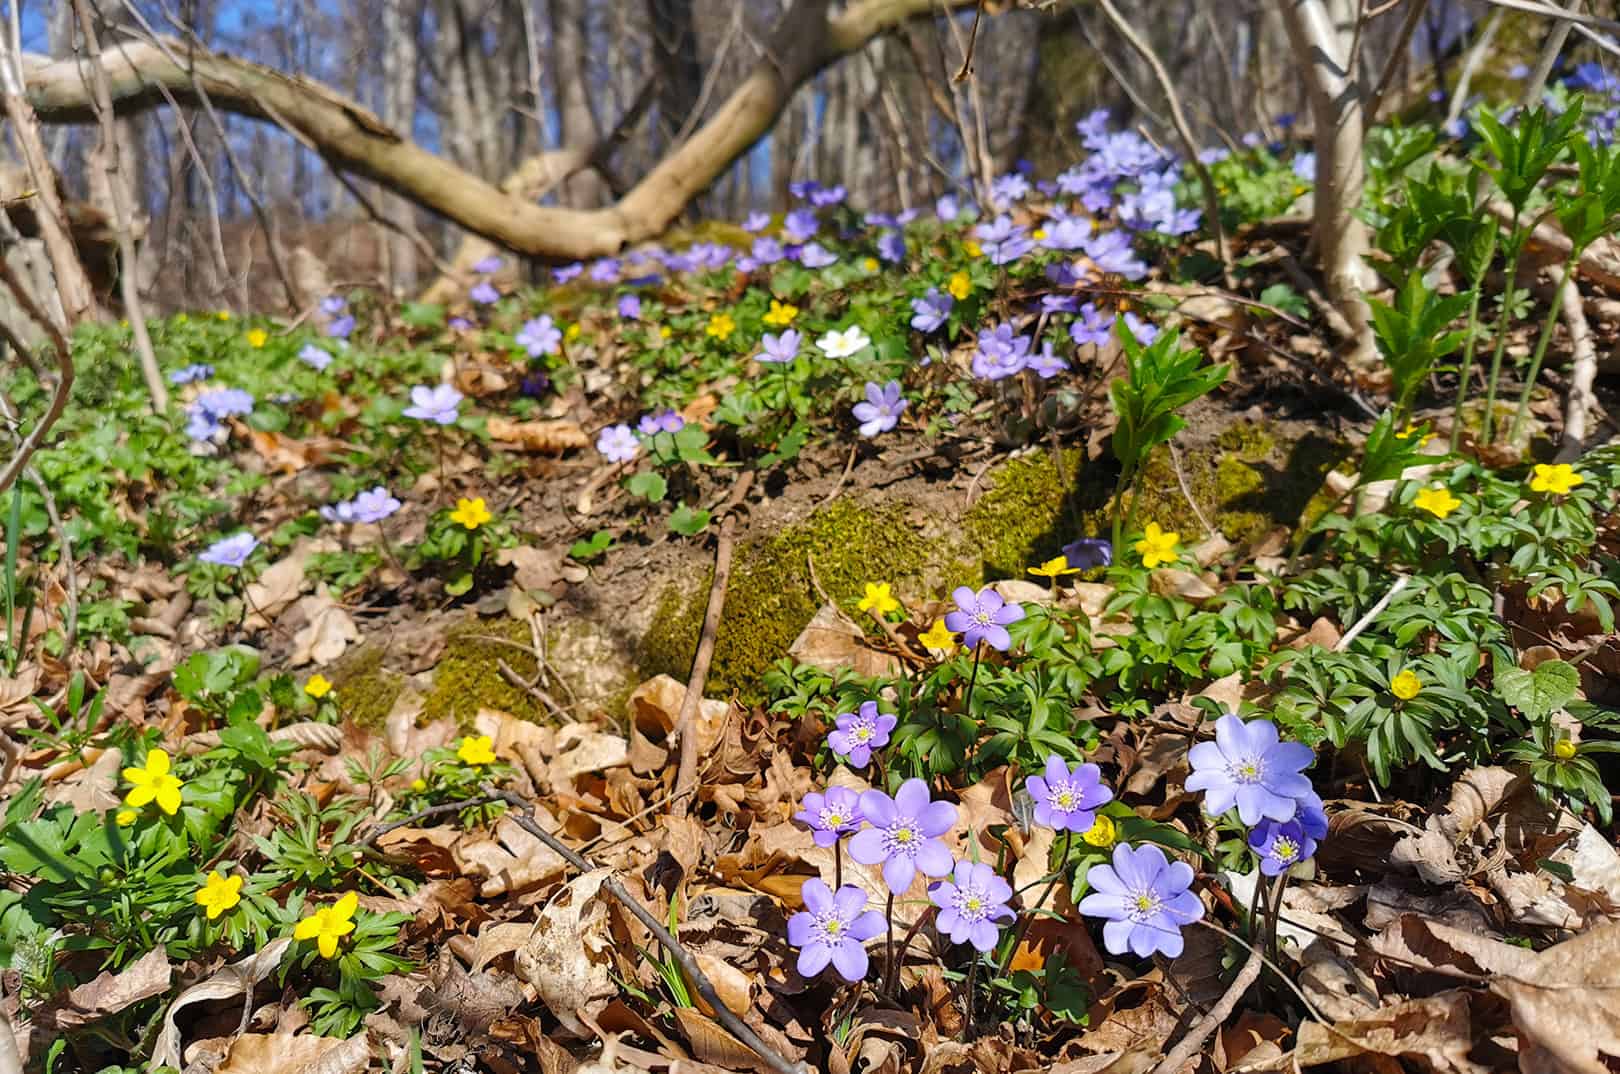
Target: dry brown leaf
x,y
328,633
536,568
829,641
568,957
493,941
656,703
1566,1002
286,1053
544,437
735,988
1475,796
583,749
109,993
1436,1029
15,694
284,453
510,860
712,1044
228,982
1175,582
91,789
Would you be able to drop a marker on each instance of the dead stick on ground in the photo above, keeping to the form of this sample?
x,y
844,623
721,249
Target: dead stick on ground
x,y
1188,1046
686,722
734,1025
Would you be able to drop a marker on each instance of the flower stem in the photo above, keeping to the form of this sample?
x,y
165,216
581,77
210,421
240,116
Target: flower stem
x,y
973,678
1553,309
838,864
905,944
1514,247
1465,368
1029,915
972,981
889,970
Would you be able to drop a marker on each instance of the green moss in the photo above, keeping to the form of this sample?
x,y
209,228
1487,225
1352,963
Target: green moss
x,y
1250,441
468,676
770,597
1030,511
366,691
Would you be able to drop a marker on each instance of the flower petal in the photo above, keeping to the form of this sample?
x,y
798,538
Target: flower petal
x,y
912,798
878,808
869,925
937,818
898,873
816,895
848,901
933,859
798,928
1117,936
814,959
849,959
866,846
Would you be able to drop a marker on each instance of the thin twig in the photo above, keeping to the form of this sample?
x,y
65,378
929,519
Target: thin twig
x,y
1397,55
686,722
1177,1057
420,815
1579,400
32,440
1372,613
532,688
521,815
1181,479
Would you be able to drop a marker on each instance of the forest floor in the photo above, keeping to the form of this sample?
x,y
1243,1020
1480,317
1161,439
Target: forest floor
x,y
341,701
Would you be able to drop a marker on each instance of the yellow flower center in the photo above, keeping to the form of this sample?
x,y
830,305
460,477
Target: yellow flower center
x,y
903,836
1065,800
1285,849
1145,903
832,926
974,902
834,820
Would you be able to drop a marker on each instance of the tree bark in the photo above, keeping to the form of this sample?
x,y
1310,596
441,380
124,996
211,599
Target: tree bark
x,y
807,39
399,26
583,191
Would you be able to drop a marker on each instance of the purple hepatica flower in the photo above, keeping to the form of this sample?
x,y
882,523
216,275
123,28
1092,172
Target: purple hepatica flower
x,y
756,222
232,551
1062,274
1304,166
459,324
803,188
201,425
605,270
832,195
1047,364
946,207
332,305
340,327
746,264
539,336
1145,898
859,733
1060,304
535,383
830,816
800,225
881,410
1094,326
904,834
815,255
314,357
931,310
1089,552
970,907
484,293
1312,816
224,402
373,505
1093,128
1067,233
1004,242
1144,331
630,307
436,404
767,251
487,266
891,247
1009,188
1111,252
197,371
662,421
617,443
779,350
1066,798
1248,767
1519,72
1280,845
1213,154
564,273
983,616
1001,353
880,220
831,929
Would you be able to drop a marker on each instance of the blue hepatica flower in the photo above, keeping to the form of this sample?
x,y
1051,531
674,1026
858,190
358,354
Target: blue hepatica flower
x,y
971,904
197,371
1248,767
1066,798
1088,553
484,293
232,551
931,310
618,443
779,350
814,255
1004,242
436,404
1047,364
1146,900
832,929
1001,353
1280,845
904,834
539,336
314,357
858,733
881,410
830,815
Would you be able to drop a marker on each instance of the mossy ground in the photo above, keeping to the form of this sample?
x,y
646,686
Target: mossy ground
x,y
365,690
468,676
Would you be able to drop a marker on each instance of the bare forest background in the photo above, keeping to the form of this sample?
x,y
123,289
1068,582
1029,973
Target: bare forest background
x,y
236,212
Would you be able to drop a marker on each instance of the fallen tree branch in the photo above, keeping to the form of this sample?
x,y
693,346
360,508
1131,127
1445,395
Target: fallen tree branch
x,y
808,38
1579,401
522,815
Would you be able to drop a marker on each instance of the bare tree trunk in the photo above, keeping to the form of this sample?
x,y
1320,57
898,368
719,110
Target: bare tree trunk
x,y
399,27
1337,97
586,190
675,56
123,218
72,284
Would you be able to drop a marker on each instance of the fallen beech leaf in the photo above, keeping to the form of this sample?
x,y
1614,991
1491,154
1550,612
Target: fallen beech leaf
x,y
1436,1029
284,453
732,985
1566,1002
536,568
568,956
109,993
14,695
545,437
512,860
286,1053
712,1044
656,704
326,636
830,642
582,749
228,982
493,941
283,581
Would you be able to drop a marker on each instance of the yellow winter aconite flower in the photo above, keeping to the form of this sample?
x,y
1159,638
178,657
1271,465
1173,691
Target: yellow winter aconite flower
x,y
870,264
219,893
318,686
257,337
471,513
781,314
223,315
418,784
1556,478
1410,431
1038,234
1437,500
329,924
1564,750
938,638
125,817
721,326
1056,567
1102,832
571,333
879,599
1406,685
476,750
153,782
972,247
1157,546
960,286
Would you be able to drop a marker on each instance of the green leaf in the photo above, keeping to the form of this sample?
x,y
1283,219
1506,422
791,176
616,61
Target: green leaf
x,y
422,314
1539,693
689,522
459,584
588,549
647,484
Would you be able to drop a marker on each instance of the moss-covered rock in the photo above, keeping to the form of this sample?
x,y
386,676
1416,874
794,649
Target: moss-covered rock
x,y
365,690
468,676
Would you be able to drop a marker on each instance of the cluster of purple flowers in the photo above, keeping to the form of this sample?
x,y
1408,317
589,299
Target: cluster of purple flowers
x,y
1250,769
339,322
370,506
196,371
205,417
660,421
1001,353
539,336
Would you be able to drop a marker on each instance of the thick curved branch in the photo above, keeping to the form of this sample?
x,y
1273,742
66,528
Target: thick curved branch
x,y
808,38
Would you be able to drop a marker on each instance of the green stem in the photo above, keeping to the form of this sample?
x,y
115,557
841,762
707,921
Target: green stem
x,y
1515,247
1029,916
967,703
1541,346
1465,368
